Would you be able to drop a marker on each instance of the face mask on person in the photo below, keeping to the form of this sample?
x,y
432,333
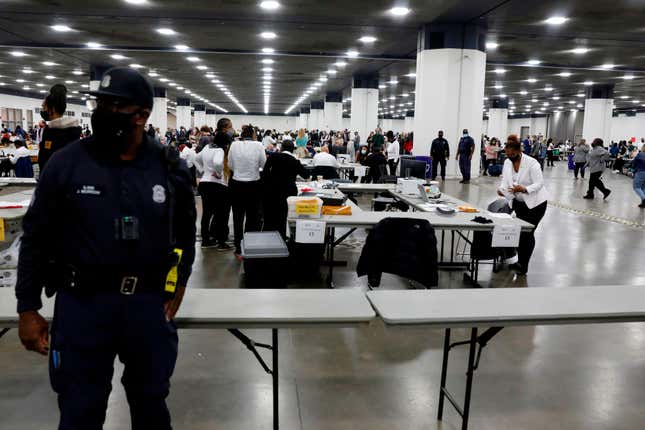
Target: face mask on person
x,y
44,115
363,151
465,134
113,128
231,133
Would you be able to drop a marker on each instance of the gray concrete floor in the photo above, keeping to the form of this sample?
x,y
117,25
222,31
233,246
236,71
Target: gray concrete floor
x,y
574,377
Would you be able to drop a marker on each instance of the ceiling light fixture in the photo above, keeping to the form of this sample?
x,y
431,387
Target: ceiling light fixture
x,y
268,50
607,66
136,2
533,62
492,45
50,77
49,63
556,20
135,66
580,51
166,31
352,53
201,68
399,11
267,61
531,80
193,59
523,92
18,54
565,74
628,77
268,35
367,39
588,83
61,28
118,57
340,64
500,71
182,47
93,45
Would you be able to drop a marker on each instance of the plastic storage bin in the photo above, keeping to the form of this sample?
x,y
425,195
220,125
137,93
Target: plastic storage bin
x,y
304,207
266,258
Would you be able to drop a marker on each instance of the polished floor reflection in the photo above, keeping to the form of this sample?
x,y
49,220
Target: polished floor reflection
x,y
378,378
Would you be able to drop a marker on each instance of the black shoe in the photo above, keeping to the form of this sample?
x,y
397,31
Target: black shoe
x,y
588,197
517,268
224,247
642,205
605,195
466,182
208,244
462,181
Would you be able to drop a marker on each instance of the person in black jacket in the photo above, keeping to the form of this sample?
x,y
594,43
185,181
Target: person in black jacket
x,y
377,162
279,182
440,152
60,129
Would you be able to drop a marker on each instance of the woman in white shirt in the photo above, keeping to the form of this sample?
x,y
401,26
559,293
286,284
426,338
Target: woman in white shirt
x,y
268,140
523,186
245,159
213,188
393,152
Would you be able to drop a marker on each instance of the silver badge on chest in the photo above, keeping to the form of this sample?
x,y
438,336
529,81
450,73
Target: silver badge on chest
x,y
158,194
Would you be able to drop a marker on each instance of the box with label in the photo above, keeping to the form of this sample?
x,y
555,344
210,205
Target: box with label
x,y
304,207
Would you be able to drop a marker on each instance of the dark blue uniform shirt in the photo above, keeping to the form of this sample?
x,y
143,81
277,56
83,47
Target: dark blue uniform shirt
x,y
81,193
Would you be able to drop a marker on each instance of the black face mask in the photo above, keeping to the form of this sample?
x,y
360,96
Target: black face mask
x,y
44,115
112,128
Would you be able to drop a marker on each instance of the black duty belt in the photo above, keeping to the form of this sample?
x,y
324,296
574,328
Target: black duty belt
x,y
88,281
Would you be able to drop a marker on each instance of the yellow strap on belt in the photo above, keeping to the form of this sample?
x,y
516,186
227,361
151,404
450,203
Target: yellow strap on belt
x,y
171,279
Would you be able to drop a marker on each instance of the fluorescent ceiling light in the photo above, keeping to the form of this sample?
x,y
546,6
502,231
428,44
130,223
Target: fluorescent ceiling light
x,y
607,66
533,62
556,20
136,2
565,74
340,64
331,72
118,57
411,75
381,86
49,63
492,45
135,66
166,31
268,35
20,81
18,54
399,11
182,47
393,82
93,45
498,86
588,83
268,50
192,59
500,71
548,88
28,71
628,77
267,69
580,51
267,61
50,77
68,82
270,5
367,39
523,92
531,80
352,53
624,97
61,28
202,67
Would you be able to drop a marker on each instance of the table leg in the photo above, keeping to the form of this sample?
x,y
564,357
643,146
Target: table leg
x,y
444,372
330,260
469,377
452,246
275,377
443,236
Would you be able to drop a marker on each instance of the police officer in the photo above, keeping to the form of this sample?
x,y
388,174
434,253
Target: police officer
x,y
440,152
111,224
465,155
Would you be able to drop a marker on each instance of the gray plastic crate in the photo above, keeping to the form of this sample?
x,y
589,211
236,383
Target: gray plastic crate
x,y
266,244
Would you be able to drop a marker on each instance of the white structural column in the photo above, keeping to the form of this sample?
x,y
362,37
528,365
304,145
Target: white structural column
x,y
598,113
364,105
317,115
184,118
386,123
408,124
451,72
303,119
199,115
498,119
333,112
211,118
159,115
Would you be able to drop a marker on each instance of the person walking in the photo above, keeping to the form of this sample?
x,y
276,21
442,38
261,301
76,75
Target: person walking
x,y
580,153
212,162
112,216
301,144
523,187
638,164
439,152
393,152
245,159
465,152
490,154
596,162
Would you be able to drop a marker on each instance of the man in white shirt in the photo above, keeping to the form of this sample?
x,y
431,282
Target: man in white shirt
x,y
325,159
245,158
21,151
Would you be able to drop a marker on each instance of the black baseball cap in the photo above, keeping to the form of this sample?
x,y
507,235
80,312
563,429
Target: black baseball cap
x,y
125,83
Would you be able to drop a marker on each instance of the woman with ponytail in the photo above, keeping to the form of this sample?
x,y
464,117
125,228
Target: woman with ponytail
x,y
60,129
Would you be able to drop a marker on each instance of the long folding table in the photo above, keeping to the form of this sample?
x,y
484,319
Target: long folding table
x,y
497,308
235,309
454,224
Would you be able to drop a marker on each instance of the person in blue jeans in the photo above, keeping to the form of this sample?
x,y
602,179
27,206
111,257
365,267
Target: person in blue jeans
x,y
465,155
639,176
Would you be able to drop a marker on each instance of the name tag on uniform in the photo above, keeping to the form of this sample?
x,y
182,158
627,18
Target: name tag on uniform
x,y
89,190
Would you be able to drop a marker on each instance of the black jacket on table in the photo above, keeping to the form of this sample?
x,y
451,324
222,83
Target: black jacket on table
x,y
55,139
440,150
400,246
72,216
279,175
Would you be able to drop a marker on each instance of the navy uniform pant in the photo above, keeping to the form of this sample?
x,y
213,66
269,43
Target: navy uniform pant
x,y
464,166
89,331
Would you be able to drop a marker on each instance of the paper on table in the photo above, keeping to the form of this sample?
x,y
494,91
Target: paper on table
x,y
500,215
7,204
310,231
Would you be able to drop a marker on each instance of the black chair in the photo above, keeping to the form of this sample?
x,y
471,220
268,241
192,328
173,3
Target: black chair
x,y
327,172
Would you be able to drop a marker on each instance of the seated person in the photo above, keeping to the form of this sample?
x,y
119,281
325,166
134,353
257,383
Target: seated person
x,y
377,162
325,164
21,158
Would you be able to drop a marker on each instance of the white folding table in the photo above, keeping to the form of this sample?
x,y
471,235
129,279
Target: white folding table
x,y
497,308
234,309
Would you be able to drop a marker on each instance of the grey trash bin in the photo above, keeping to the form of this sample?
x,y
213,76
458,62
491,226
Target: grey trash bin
x,y
266,258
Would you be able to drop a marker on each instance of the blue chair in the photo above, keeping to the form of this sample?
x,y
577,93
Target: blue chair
x,y
24,168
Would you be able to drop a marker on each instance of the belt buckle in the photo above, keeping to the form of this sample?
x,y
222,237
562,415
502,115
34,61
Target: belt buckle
x,y
128,285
